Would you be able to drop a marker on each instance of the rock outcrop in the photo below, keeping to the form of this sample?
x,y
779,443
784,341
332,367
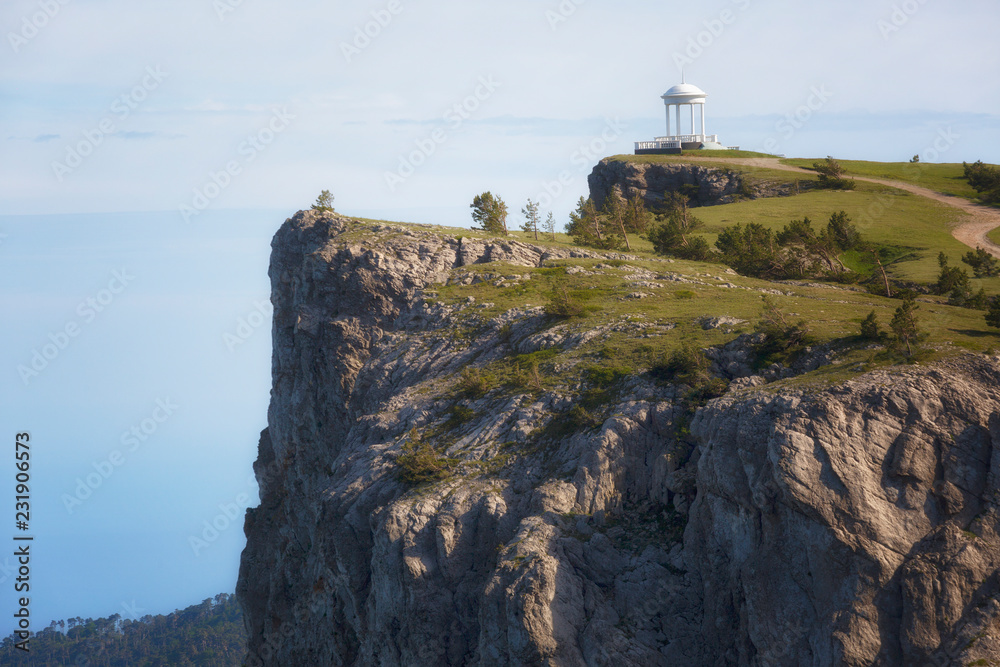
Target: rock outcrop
x,y
707,185
847,525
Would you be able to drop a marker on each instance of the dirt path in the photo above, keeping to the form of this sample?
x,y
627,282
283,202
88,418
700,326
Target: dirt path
x,y
971,229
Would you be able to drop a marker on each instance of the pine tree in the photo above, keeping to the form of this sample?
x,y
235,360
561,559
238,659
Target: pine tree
x,y
324,203
993,314
905,327
615,207
531,218
550,226
869,327
490,213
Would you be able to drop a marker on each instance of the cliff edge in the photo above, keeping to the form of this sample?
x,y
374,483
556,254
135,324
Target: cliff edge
x,y
848,524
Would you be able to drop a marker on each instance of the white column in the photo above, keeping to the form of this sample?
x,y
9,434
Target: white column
x,y
692,118
668,120
678,114
704,132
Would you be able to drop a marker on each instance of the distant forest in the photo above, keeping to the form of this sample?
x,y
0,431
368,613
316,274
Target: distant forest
x,y
210,634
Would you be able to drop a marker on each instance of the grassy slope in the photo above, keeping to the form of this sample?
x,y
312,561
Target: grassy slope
x,y
995,235
920,227
884,215
944,178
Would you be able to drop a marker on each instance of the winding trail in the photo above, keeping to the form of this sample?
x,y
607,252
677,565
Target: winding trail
x,y
971,231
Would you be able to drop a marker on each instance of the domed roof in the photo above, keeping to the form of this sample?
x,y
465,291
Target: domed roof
x,y
685,90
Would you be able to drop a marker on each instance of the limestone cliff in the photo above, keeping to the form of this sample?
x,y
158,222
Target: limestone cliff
x,y
709,185
853,524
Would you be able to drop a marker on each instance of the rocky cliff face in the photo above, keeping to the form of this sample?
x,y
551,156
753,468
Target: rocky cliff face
x,y
847,525
709,185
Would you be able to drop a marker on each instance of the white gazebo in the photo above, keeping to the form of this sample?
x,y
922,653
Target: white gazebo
x,y
691,97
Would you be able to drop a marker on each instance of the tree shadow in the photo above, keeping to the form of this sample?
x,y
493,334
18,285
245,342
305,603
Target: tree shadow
x,y
976,333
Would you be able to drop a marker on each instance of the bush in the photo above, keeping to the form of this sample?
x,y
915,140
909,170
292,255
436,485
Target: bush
x,y
473,383
590,228
843,232
963,297
951,277
673,235
603,377
781,335
689,366
831,175
419,462
574,420
984,179
870,329
457,416
984,265
751,250
686,364
993,314
563,306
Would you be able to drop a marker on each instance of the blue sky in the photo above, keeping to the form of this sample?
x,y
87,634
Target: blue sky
x,y
169,140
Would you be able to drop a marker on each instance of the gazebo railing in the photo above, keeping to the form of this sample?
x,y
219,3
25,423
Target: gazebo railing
x,y
688,138
656,145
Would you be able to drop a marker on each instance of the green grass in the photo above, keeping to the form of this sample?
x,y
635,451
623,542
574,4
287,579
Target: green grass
x,y
944,178
994,236
918,227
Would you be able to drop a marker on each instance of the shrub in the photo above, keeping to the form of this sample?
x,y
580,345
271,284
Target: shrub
x,y
420,463
473,383
685,364
603,377
870,329
574,420
831,175
984,265
984,179
673,235
751,250
951,277
843,232
563,306
993,314
458,415
781,335
963,297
